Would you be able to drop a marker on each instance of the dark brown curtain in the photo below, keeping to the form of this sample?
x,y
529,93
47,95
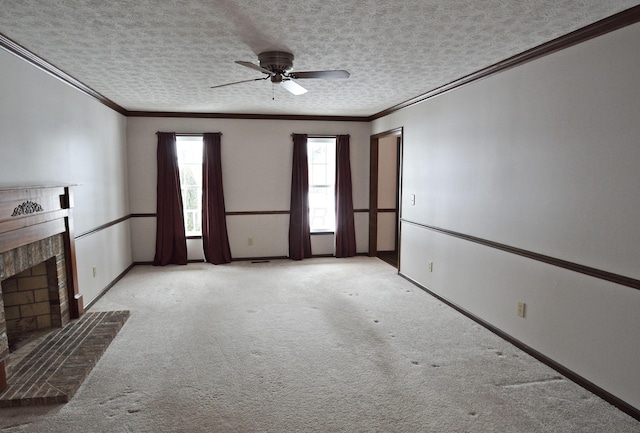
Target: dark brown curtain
x,y
214,223
171,243
299,232
345,229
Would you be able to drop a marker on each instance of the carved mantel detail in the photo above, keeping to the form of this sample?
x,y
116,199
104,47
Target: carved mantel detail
x,y
27,208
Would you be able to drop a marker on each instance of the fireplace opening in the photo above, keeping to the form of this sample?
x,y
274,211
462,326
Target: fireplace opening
x,y
34,297
28,307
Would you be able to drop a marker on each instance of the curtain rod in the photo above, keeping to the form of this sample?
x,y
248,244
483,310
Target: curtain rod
x,y
189,134
321,136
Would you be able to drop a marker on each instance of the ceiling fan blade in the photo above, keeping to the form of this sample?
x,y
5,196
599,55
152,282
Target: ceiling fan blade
x,y
238,82
293,87
320,74
254,66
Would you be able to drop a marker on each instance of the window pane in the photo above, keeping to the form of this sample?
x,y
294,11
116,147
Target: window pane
x,y
318,153
190,199
189,222
319,175
189,151
190,174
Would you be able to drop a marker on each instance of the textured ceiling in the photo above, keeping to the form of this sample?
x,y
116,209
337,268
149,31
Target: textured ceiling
x,y
149,55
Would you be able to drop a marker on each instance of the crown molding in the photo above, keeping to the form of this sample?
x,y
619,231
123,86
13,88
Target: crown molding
x,y
599,28
18,50
196,115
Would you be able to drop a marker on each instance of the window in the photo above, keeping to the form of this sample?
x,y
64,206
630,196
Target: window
x,y
189,150
322,178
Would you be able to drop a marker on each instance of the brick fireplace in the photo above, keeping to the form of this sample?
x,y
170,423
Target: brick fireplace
x,y
37,264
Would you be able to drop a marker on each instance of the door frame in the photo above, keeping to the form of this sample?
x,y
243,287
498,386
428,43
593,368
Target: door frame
x,y
373,189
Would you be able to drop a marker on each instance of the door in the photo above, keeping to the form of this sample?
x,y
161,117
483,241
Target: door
x,y
384,195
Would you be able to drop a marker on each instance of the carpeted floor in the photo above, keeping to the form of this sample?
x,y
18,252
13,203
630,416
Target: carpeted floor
x,y
322,345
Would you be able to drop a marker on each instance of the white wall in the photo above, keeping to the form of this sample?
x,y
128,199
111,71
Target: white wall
x,y
256,166
543,157
52,133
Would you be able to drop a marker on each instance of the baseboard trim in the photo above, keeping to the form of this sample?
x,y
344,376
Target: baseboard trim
x,y
109,286
239,259
251,259
569,374
150,263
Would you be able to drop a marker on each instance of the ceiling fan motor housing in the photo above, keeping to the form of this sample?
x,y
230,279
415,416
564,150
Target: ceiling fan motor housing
x,y
277,62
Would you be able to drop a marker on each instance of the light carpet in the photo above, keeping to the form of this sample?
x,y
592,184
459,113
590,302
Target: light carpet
x,y
322,345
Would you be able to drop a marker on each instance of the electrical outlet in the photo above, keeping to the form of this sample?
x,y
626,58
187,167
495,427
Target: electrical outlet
x,y
522,309
95,271
430,266
249,241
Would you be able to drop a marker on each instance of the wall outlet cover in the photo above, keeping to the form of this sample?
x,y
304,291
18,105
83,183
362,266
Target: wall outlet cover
x,y
522,309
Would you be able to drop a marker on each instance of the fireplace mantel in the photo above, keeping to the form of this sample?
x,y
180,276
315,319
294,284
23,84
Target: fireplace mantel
x,y
29,217
32,213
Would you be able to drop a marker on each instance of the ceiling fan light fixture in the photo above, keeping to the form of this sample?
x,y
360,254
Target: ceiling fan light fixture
x,y
293,87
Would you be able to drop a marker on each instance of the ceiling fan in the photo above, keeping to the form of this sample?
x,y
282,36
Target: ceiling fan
x,y
277,65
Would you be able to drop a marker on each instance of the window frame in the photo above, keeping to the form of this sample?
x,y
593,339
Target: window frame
x,y
330,179
182,140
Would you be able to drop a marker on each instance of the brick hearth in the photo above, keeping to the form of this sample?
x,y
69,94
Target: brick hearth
x,y
55,369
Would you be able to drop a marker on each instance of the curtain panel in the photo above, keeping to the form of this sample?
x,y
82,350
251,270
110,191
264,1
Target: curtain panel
x,y
171,242
214,224
299,231
345,227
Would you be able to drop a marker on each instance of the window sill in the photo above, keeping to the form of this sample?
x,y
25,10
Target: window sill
x,y
323,233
